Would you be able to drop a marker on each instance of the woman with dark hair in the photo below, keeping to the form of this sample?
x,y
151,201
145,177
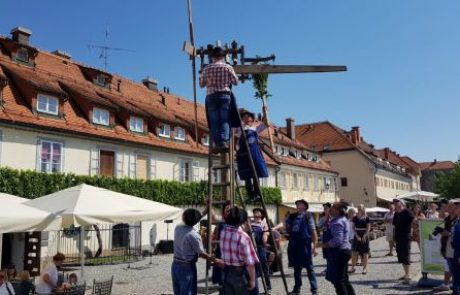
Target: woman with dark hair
x,y
362,226
339,250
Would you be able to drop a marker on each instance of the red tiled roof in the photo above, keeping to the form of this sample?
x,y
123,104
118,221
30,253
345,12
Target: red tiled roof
x,y
437,165
57,75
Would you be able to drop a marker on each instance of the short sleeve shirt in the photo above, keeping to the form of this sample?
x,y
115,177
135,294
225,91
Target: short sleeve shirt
x,y
52,271
403,222
187,243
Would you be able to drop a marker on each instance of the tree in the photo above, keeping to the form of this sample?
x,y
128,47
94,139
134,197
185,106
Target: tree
x,y
448,184
260,83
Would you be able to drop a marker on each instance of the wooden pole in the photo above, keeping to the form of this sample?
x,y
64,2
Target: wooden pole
x,y
192,41
266,122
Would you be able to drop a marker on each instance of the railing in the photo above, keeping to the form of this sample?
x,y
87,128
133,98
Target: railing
x,y
103,244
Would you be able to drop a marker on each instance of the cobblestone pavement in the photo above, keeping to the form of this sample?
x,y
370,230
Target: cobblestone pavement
x,y
145,278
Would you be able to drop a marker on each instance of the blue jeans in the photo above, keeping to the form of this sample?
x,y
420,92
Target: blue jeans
x,y
218,113
311,278
184,278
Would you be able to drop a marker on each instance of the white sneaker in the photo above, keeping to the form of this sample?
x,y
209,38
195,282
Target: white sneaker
x,y
442,287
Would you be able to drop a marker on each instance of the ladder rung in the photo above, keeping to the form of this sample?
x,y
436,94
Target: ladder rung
x,y
221,184
219,167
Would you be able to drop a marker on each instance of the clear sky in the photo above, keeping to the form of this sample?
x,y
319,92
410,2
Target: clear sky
x,y
403,81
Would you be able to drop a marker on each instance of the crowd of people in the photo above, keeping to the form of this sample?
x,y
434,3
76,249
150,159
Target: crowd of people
x,y
51,281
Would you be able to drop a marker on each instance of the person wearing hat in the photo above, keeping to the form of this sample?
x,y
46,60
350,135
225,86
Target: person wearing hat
x,y
402,221
301,247
217,77
456,246
187,248
251,131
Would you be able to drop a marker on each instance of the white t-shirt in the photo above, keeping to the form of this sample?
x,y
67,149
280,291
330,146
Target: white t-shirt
x,y
388,218
4,291
42,287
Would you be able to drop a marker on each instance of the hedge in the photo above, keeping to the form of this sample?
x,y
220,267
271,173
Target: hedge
x,y
31,184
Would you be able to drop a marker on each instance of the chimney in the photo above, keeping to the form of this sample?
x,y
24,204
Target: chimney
x,y
21,35
356,136
290,127
62,53
386,153
151,84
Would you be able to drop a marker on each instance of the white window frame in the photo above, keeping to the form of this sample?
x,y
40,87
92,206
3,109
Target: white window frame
x,y
205,140
136,124
193,170
165,130
47,110
96,120
176,133
101,80
50,164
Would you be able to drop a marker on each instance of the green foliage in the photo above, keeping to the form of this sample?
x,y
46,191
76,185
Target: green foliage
x,y
260,83
31,184
448,184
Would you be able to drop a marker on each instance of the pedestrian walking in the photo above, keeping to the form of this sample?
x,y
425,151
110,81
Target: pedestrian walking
x,y
402,221
302,245
362,227
389,229
187,248
217,78
339,250
238,254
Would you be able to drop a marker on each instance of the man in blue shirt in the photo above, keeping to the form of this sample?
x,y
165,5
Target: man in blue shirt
x,y
301,247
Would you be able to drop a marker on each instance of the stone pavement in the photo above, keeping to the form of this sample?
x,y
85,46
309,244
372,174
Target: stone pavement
x,y
144,278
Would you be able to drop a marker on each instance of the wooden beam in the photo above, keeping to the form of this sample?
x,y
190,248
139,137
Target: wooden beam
x,y
285,69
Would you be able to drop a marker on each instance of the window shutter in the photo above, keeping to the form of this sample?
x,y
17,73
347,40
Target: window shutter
x,y
119,164
176,171
153,168
196,170
132,165
37,162
182,170
94,162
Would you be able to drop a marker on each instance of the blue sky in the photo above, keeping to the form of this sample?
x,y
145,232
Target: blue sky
x,y
402,87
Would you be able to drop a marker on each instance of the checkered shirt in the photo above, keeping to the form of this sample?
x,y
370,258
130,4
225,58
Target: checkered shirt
x,y
237,248
217,77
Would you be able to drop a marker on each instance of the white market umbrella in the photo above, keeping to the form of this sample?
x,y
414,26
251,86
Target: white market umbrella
x,y
377,210
419,196
17,217
13,198
87,205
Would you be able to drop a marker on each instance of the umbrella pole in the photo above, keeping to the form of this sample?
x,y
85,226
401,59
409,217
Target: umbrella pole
x,y
82,254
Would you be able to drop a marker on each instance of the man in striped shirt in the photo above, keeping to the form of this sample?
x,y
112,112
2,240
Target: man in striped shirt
x,y
238,254
217,78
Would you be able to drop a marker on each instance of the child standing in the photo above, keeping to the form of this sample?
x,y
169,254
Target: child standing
x,y
217,78
251,131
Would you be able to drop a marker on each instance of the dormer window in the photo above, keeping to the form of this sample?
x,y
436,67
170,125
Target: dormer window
x,y
101,116
136,124
285,151
101,80
22,55
205,140
47,104
165,131
179,133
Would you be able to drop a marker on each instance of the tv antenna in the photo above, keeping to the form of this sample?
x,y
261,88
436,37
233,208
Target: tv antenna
x,y
105,49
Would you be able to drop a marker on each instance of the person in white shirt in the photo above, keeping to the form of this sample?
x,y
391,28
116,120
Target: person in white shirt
x,y
5,287
389,228
49,276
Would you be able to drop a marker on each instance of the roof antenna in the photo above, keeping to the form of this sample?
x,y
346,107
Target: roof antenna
x,y
104,55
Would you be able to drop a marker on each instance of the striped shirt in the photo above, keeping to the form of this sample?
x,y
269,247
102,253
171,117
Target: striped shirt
x,y
217,77
236,247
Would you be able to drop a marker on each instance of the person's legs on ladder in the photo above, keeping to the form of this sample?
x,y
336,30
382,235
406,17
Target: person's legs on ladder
x,y
213,114
224,116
